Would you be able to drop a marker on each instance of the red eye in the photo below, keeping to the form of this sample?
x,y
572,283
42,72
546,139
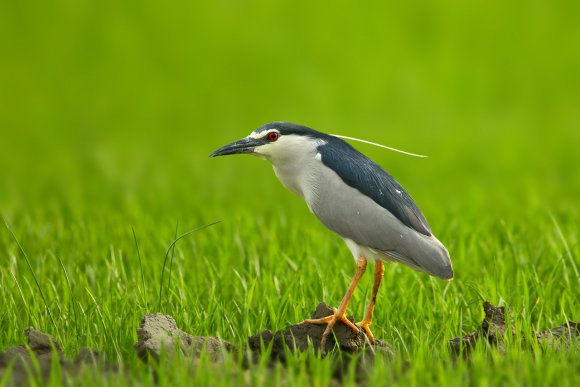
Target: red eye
x,y
273,136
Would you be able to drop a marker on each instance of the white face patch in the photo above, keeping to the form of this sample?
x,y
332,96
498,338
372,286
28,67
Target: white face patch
x,y
262,134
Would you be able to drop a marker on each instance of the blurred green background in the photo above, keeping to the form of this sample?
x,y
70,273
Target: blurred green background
x,y
116,104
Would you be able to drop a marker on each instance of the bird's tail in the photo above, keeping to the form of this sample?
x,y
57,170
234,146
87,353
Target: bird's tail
x,y
428,255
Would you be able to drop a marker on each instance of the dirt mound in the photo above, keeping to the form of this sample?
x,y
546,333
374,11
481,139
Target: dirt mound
x,y
494,327
159,333
44,348
298,337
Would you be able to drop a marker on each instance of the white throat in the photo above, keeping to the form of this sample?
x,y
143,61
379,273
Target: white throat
x,y
293,159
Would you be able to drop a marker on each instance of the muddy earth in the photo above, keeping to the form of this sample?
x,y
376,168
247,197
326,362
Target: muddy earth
x,y
159,336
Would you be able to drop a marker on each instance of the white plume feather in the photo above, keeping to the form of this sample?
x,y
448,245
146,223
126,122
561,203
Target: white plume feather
x,y
379,145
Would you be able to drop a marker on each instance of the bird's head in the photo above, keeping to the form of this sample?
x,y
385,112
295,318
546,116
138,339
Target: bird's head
x,y
276,142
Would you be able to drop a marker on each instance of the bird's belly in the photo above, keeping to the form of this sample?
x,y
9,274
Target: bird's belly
x,y
369,253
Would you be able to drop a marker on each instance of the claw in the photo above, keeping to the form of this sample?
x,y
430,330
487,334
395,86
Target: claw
x,y
366,327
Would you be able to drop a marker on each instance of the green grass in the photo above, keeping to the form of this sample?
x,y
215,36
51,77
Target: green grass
x,y
109,110
250,273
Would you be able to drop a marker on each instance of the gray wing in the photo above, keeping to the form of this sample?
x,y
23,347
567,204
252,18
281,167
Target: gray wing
x,y
360,172
355,216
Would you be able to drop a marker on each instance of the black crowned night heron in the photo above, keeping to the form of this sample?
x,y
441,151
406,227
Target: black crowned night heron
x,y
354,197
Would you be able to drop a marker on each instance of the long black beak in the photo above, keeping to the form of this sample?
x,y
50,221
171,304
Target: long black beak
x,y
245,145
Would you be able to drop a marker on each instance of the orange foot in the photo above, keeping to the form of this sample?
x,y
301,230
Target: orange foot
x,y
331,321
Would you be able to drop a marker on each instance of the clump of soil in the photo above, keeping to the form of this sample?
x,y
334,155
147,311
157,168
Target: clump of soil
x,y
159,333
297,338
494,328
341,346
44,350
559,336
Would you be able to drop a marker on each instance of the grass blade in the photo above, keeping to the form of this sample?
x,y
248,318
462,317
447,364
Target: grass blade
x,y
141,269
171,260
167,255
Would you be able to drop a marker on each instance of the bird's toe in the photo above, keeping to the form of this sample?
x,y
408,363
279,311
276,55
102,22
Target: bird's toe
x,y
331,320
366,327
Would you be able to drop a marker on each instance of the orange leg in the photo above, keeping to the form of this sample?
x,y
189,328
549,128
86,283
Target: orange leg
x,y
366,322
339,314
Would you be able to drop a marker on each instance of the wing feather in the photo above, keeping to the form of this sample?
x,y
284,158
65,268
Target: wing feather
x,y
363,174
